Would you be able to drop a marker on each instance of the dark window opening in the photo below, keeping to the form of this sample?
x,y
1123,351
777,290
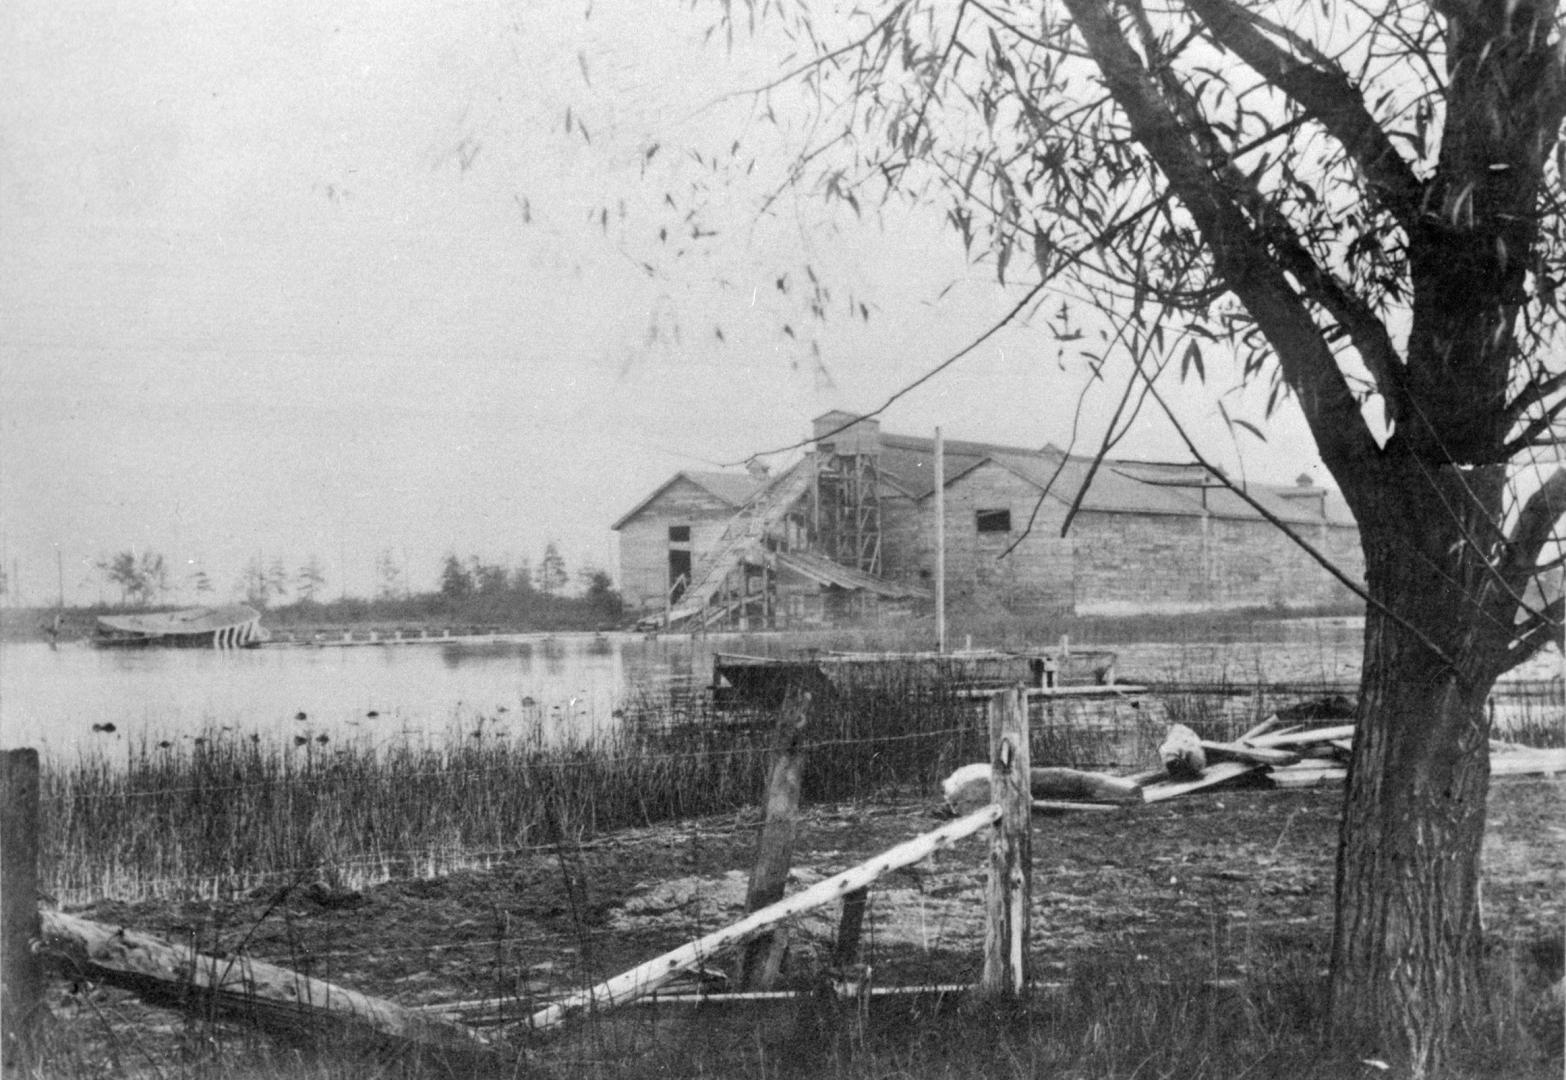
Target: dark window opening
x,y
679,574
994,521
679,534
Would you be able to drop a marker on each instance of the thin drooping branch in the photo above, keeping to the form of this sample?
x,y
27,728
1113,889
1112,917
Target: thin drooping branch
x,y
820,60
1304,545
1241,256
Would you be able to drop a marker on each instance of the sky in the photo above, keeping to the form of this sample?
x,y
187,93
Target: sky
x,y
287,281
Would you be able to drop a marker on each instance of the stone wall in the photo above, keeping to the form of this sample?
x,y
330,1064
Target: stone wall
x,y
1123,563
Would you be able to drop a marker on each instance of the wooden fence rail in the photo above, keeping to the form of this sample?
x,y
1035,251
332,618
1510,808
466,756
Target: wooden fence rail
x,y
1006,938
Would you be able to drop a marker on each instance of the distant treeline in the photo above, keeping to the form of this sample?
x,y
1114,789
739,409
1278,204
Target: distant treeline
x,y
507,606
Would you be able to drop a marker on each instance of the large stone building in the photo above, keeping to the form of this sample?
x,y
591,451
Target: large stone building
x,y
850,529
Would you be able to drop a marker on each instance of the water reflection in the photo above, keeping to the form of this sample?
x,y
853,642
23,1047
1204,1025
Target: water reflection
x,y
563,685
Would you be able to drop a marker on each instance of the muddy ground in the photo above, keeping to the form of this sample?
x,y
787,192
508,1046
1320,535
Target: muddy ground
x,y
1215,884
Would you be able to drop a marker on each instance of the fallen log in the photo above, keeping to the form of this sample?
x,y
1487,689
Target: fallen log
x,y
236,987
969,786
1182,753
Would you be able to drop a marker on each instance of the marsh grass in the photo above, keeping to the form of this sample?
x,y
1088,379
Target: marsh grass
x,y
1112,1018
224,814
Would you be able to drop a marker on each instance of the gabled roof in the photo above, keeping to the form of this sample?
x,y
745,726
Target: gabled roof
x,y
908,460
732,488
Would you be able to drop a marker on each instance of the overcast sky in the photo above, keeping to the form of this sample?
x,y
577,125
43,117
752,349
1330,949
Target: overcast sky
x,y
292,279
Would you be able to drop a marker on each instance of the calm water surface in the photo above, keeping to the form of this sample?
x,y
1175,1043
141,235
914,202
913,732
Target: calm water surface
x,y
51,699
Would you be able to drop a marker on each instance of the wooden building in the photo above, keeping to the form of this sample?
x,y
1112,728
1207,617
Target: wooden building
x,y
847,533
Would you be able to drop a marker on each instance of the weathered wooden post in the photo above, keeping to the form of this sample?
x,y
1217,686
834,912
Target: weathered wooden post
x,y
21,977
761,960
1009,891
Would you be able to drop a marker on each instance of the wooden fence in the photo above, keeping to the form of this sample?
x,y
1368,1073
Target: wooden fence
x,y
277,998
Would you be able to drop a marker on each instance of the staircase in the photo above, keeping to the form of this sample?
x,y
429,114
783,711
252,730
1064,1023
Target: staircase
x,y
741,538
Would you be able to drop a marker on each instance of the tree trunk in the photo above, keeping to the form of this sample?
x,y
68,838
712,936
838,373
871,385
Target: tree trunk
x,y
1407,942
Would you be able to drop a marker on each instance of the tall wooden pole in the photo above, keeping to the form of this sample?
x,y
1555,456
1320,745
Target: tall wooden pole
x,y
21,979
1009,891
939,478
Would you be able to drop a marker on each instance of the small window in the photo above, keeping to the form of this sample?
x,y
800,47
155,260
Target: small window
x,y
679,534
994,521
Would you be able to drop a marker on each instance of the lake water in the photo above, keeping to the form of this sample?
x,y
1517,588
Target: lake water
x,y
567,684
51,699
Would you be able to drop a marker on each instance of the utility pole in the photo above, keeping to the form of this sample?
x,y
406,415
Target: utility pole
x,y
940,542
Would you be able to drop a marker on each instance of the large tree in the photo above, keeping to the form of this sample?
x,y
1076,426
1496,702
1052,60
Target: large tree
x,y
1360,202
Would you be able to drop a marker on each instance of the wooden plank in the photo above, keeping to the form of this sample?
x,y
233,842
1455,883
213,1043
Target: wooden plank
x,y
1215,774
648,977
1062,804
1257,755
238,987
1009,887
1309,772
1262,728
1306,737
1528,763
761,960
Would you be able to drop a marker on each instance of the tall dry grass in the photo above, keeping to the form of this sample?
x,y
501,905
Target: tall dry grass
x,y
225,813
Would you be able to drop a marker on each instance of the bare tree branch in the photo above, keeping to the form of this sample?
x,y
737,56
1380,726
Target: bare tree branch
x,y
1535,527
1323,90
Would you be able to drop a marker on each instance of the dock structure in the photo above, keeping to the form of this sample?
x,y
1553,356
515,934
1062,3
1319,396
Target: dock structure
x,y
741,680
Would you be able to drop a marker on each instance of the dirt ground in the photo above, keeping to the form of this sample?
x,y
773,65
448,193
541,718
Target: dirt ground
x,y
1209,884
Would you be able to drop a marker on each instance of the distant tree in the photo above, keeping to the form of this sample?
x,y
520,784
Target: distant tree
x,y
253,583
277,579
140,578
601,597
455,581
490,579
310,580
552,576
522,578
388,577
201,582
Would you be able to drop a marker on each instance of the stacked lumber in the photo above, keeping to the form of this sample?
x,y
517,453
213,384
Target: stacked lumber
x,y
1295,755
1300,755
1307,754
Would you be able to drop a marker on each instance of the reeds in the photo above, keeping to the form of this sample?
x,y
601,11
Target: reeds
x,y
226,813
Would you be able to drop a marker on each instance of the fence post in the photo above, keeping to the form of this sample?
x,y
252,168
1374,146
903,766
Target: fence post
x,y
21,976
761,959
1009,892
